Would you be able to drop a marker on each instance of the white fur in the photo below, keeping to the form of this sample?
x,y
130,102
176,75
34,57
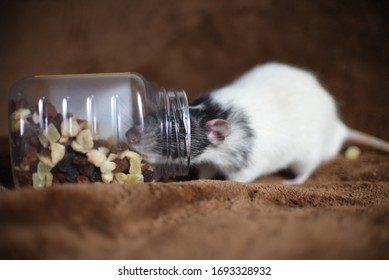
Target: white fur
x,y
294,120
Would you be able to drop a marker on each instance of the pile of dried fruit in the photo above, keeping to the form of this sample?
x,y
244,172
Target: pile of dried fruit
x,y
50,148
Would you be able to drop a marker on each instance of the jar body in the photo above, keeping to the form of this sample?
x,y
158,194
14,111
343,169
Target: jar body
x,y
72,128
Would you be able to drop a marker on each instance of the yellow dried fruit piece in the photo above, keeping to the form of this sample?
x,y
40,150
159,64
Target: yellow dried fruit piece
x,y
103,150
77,147
134,178
70,127
37,182
121,177
352,153
36,118
130,155
49,180
57,152
18,118
112,157
107,166
107,177
43,170
135,166
52,133
45,159
21,114
95,157
43,140
85,139
63,140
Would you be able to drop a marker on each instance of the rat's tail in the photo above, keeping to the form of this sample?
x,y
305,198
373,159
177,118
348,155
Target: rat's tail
x,y
357,137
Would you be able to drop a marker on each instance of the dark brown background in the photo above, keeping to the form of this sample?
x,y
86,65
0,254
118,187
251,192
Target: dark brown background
x,y
342,211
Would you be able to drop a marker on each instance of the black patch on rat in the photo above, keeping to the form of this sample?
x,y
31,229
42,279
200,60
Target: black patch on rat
x,y
205,109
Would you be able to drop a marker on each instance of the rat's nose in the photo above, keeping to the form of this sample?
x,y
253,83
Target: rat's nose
x,y
133,136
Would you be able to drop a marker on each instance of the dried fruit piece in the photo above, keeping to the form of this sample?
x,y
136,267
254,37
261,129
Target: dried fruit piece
x,y
121,177
57,152
52,133
96,157
134,178
103,150
43,170
121,165
352,153
107,166
135,166
19,118
85,139
70,127
148,176
112,157
130,155
46,159
107,177
37,182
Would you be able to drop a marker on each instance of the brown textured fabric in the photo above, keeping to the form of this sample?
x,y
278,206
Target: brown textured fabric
x,y
342,212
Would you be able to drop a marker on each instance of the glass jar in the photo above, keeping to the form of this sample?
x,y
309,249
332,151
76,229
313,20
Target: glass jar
x,y
112,128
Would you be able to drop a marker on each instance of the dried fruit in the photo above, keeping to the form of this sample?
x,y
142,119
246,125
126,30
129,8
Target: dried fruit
x,y
70,127
52,133
121,165
56,149
85,139
57,152
107,166
96,157
107,177
135,167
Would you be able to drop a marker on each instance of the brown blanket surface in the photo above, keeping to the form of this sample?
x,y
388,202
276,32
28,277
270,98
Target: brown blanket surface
x,y
342,212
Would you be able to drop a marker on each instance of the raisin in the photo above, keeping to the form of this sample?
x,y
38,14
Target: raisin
x,y
87,169
148,175
82,179
80,160
121,165
95,176
24,178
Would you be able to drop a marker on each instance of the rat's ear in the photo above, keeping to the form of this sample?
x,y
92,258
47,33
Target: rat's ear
x,y
217,130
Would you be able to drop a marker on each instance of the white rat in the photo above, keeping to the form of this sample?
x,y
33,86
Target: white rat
x,y
274,117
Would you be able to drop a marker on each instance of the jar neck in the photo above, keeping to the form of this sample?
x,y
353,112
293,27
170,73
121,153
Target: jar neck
x,y
176,134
